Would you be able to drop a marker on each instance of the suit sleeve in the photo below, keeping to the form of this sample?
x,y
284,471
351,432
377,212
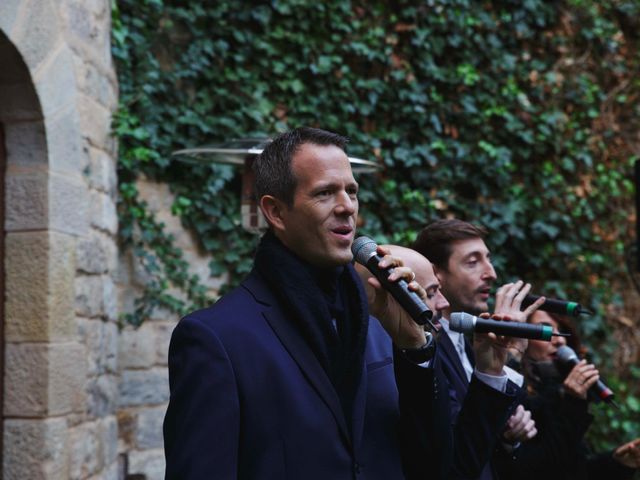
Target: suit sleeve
x,y
419,447
201,427
562,424
479,425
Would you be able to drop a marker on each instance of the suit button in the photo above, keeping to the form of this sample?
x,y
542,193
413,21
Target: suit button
x,y
356,468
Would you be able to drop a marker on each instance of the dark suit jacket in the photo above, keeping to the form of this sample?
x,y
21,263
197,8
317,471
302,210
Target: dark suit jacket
x,y
250,400
559,452
459,390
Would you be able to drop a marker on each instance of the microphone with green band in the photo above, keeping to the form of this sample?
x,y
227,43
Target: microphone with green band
x,y
553,305
466,323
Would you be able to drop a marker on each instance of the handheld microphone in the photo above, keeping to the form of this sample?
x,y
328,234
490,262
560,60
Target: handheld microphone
x,y
598,391
466,323
553,305
364,252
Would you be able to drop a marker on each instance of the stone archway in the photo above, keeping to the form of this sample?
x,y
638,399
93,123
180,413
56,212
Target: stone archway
x,y
57,94
38,314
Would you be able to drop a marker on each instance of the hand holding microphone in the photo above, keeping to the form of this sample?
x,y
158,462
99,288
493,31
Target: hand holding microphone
x,y
403,319
365,253
583,380
510,300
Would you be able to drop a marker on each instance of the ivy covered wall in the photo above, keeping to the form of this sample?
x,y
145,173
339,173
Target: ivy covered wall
x,y
523,116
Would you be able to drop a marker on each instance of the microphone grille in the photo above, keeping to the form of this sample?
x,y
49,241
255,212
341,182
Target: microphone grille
x,y
461,322
566,354
362,249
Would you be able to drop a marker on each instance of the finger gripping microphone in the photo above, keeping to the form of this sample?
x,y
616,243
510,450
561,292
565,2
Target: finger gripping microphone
x,y
466,323
598,391
364,252
553,305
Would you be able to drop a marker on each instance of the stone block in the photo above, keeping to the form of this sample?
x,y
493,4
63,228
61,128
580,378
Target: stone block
x,y
93,251
85,451
95,121
149,428
102,172
80,21
100,339
137,347
67,377
26,143
103,212
55,82
27,201
61,269
110,472
90,295
163,332
40,270
102,396
110,300
68,199
35,449
26,380
8,17
144,387
26,265
127,426
44,379
37,31
95,83
40,200
108,431
95,296
18,99
111,347
150,463
64,142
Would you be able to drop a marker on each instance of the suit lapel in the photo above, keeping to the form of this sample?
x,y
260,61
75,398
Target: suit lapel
x,y
298,349
468,348
453,358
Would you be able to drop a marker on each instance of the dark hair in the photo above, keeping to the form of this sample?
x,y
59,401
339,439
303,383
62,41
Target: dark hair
x,y
272,168
434,241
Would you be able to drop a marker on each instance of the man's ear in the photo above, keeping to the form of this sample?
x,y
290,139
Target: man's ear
x,y
273,209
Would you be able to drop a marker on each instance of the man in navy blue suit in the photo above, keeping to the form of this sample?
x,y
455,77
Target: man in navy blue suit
x,y
287,376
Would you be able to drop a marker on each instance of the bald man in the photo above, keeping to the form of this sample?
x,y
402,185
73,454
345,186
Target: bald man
x,y
464,447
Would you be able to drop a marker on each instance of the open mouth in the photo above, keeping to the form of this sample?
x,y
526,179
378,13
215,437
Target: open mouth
x,y
484,292
344,231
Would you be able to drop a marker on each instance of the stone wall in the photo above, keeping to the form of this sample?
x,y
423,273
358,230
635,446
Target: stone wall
x,y
144,388
83,399
58,91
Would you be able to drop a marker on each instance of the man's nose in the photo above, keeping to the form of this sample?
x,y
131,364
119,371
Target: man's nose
x,y
346,204
489,272
441,301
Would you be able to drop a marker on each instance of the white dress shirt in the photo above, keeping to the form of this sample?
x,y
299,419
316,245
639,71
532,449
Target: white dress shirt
x,y
499,382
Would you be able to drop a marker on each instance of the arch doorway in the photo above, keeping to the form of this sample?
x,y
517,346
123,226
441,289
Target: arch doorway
x,y
23,155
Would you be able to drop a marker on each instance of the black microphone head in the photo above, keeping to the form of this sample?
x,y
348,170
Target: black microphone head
x,y
363,248
566,355
461,322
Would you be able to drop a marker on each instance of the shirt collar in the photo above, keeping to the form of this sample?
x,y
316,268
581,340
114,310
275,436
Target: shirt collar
x,y
456,338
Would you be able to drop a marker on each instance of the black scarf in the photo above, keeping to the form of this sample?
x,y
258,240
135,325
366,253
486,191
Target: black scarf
x,y
312,297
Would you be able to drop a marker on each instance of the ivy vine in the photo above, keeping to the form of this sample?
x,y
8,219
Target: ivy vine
x,y
519,115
